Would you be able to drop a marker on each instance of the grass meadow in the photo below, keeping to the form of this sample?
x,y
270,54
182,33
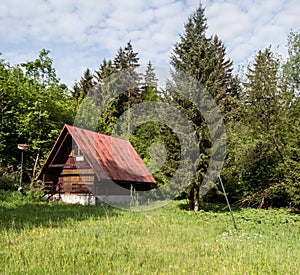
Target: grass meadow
x,y
55,238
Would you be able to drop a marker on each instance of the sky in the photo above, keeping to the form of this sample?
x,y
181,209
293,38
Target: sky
x,y
80,33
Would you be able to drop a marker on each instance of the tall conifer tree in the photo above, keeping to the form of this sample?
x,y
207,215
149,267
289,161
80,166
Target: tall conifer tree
x,y
204,59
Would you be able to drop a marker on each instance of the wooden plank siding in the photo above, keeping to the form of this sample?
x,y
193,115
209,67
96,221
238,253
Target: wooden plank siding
x,y
76,179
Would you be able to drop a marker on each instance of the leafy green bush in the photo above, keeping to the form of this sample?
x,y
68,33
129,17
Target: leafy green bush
x,y
8,179
35,195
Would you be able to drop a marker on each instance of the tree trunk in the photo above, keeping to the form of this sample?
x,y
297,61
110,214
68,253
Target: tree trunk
x,y
197,200
191,199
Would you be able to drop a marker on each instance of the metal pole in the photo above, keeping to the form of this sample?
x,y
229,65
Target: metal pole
x,y
22,147
232,217
21,172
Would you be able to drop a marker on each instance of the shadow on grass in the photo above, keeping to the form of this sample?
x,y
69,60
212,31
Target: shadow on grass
x,y
30,215
210,207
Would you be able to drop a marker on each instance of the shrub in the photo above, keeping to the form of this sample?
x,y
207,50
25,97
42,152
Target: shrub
x,y
8,179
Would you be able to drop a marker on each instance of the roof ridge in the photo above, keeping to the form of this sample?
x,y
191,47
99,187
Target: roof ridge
x,y
68,126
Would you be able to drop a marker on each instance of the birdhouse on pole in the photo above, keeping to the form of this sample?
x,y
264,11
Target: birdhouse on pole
x,y
22,146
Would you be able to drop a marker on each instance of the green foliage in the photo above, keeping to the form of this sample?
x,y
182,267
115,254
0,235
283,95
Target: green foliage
x,y
8,179
292,66
260,164
35,106
86,82
113,89
150,76
292,147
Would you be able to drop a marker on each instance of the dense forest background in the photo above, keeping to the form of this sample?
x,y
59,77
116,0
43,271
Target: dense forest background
x,y
260,106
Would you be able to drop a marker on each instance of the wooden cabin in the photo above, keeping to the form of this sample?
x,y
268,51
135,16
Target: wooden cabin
x,y
84,167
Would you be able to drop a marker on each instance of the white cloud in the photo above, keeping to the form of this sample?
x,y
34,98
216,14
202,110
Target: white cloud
x,y
80,34
248,26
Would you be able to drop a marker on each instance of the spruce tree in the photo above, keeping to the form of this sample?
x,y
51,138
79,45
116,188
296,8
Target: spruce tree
x,y
86,82
150,78
106,69
117,87
204,59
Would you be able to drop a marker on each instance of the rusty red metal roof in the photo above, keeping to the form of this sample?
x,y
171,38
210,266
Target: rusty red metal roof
x,y
110,157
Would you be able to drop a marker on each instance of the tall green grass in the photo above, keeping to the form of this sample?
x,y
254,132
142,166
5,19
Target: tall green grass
x,y
54,238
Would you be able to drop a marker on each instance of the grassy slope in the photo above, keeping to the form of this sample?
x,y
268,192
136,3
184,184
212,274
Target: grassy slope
x,y
41,238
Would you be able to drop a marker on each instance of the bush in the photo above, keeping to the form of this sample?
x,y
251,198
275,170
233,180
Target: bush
x,y
35,195
8,179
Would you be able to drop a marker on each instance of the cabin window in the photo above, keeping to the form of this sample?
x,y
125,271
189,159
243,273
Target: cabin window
x,y
78,154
